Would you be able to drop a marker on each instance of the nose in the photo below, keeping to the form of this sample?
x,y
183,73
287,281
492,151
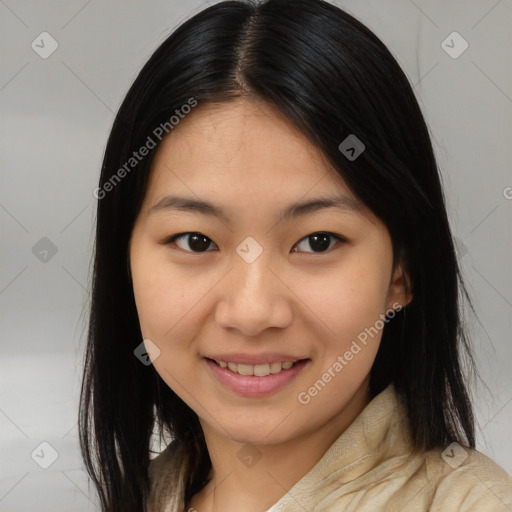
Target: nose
x,y
253,298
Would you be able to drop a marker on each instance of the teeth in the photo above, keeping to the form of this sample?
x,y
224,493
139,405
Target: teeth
x,y
275,367
259,370
245,369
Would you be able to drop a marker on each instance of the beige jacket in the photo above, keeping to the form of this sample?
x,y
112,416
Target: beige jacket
x,y
369,469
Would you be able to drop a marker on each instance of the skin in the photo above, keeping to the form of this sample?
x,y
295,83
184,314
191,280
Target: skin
x,y
247,158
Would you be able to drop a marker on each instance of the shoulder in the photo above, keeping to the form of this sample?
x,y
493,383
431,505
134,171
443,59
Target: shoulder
x,y
161,464
165,479
468,480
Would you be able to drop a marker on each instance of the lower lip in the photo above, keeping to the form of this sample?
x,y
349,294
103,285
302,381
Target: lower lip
x,y
250,385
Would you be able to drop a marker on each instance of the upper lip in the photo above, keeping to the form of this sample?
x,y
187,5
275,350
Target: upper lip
x,y
267,357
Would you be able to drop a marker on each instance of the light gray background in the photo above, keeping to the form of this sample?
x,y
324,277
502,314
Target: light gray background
x,y
55,117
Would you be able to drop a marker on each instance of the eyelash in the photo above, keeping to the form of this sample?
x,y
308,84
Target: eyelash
x,y
172,239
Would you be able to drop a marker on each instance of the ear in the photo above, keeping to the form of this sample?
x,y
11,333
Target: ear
x,y
400,288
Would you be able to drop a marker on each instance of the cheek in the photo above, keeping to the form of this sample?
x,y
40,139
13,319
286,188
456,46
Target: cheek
x,y
164,296
349,299
172,303
165,300
350,305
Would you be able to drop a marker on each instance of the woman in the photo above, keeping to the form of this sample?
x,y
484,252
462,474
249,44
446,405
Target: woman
x,y
275,282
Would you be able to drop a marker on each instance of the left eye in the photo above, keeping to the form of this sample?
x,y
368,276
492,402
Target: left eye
x,y
198,242
319,242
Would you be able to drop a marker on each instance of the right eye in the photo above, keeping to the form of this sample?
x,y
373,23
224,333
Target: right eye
x,y
197,242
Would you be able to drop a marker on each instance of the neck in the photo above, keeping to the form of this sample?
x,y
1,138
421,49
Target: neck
x,y
253,477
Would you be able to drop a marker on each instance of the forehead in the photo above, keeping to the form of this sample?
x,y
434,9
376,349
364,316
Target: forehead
x,y
242,153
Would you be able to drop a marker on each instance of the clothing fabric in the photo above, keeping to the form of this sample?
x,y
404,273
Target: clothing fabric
x,y
371,468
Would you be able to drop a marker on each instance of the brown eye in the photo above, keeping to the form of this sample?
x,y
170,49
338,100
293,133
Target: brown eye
x,y
197,242
319,242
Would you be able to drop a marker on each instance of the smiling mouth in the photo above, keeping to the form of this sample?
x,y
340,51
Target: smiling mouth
x,y
258,370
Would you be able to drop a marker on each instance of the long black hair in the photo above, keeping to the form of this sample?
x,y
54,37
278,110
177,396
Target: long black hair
x,y
331,77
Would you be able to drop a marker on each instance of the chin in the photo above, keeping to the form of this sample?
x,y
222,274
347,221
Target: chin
x,y
258,429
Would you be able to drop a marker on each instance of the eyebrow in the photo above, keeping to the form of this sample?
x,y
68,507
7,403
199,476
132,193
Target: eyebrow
x,y
342,203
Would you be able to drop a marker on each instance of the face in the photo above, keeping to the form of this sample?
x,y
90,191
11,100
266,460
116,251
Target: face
x,y
252,281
